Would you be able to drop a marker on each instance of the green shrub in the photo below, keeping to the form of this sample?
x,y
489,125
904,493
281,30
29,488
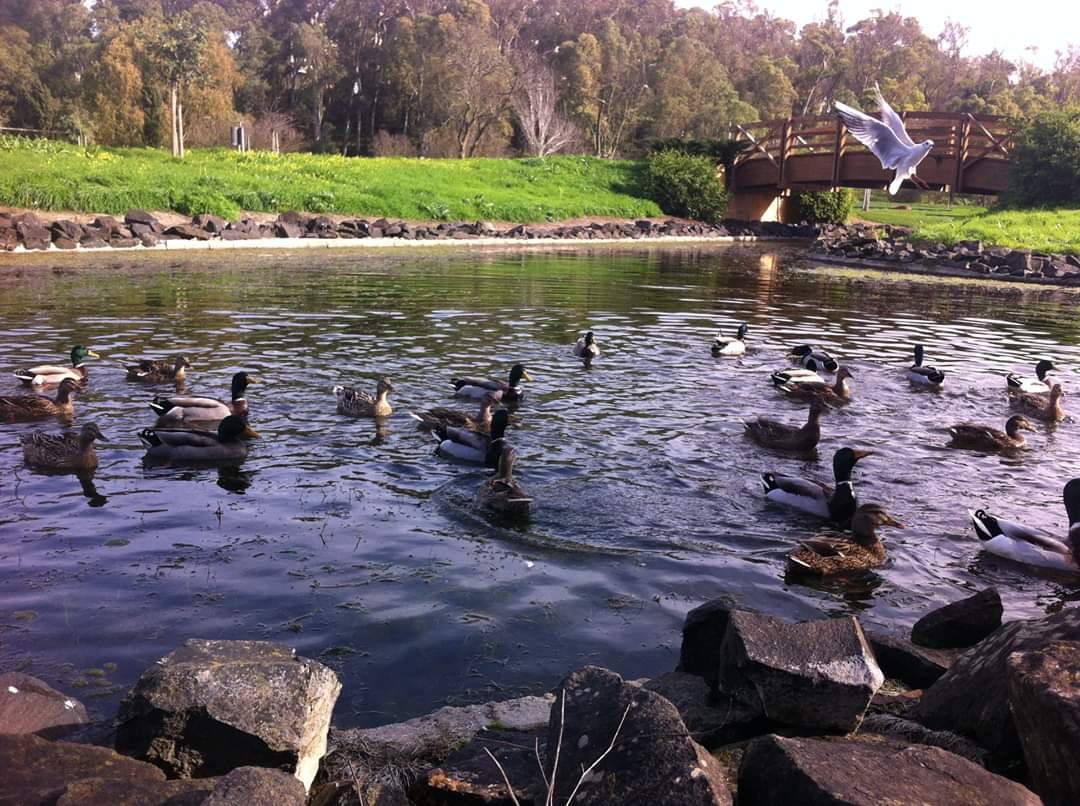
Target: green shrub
x,y
822,206
200,200
1046,161
686,185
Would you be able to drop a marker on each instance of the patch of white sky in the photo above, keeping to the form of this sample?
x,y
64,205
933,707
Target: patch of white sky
x,y
1033,31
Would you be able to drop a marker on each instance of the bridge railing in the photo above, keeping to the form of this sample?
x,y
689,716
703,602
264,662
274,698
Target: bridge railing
x,y
971,153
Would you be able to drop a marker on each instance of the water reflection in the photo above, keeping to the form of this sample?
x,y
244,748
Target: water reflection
x,y
646,492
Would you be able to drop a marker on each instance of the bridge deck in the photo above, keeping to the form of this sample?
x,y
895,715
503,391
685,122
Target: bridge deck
x,y
970,154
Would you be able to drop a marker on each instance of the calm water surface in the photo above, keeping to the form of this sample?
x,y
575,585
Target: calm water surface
x,y
355,545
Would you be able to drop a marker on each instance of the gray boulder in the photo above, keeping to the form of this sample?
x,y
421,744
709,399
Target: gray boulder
x,y
960,624
469,776
212,706
33,234
1044,697
779,771
702,634
819,675
652,758
915,666
711,719
29,705
972,698
256,785
908,732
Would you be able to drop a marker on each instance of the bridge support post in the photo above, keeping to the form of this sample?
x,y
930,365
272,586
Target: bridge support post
x,y
759,205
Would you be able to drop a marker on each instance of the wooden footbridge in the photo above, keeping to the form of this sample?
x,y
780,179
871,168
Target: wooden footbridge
x,y
971,154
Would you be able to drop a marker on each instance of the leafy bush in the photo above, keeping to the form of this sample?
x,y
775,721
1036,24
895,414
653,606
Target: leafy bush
x,y
722,151
199,200
1046,161
823,206
686,185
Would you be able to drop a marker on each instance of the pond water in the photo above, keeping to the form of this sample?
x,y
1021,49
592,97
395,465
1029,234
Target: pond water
x,y
356,545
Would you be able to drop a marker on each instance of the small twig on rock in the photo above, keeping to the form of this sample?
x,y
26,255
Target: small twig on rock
x,y
601,757
509,789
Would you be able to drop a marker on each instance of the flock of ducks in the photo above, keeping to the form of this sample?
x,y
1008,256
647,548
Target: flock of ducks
x,y
199,429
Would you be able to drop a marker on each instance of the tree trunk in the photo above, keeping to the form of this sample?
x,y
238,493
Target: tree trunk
x,y
180,123
174,138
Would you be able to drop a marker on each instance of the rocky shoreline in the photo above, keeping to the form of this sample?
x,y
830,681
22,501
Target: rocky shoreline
x,y
890,247
139,229
758,711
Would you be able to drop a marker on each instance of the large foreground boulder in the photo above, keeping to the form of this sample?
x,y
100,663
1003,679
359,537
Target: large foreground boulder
x,y
913,665
960,624
1044,697
212,706
972,698
779,771
652,759
711,720
29,705
817,675
470,776
702,634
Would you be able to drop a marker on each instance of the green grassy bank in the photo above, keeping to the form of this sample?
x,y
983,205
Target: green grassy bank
x,y
1054,231
48,175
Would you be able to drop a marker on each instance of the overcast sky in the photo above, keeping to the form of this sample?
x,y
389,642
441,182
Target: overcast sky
x,y
1048,25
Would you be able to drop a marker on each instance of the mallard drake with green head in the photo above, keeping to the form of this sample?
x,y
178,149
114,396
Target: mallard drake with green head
x,y
442,416
1038,385
1023,544
506,391
50,373
783,437
501,493
837,394
17,408
472,446
586,348
724,345
72,450
814,359
984,438
924,376
357,403
167,370
826,556
1047,408
173,409
815,498
193,445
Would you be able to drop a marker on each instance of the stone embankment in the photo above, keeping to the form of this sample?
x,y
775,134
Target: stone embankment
x,y
140,229
893,247
759,711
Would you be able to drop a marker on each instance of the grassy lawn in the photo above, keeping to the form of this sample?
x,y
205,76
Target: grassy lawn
x,y
1056,231
49,175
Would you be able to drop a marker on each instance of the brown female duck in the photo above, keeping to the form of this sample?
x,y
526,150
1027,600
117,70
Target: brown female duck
x,y
159,371
984,438
17,408
773,434
441,416
837,394
72,450
1041,407
501,493
824,556
356,403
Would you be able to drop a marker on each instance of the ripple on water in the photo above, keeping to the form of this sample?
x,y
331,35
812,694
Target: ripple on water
x,y
352,542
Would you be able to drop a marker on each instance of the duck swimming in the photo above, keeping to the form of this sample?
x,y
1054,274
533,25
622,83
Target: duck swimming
x,y
806,495
1033,386
192,445
837,394
72,450
472,446
1041,407
1023,544
927,376
586,348
356,403
50,373
440,415
984,438
501,493
727,346
777,435
17,408
503,391
183,409
814,359
160,371
825,556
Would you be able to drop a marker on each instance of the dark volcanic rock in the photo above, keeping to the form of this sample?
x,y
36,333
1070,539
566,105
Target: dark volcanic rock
x,y
188,232
469,776
711,719
653,761
91,240
972,698
813,674
61,242
702,634
960,624
257,785
123,243
9,238
914,665
814,772
33,234
66,228
908,732
211,223
1044,696
29,705
212,706
143,218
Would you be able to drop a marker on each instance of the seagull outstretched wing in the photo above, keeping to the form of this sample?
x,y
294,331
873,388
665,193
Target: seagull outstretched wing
x,y
892,120
873,134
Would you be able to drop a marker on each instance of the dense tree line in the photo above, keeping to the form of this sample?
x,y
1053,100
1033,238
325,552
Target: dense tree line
x,y
469,77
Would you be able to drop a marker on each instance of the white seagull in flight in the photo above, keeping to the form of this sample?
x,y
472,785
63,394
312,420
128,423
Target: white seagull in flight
x,y
887,139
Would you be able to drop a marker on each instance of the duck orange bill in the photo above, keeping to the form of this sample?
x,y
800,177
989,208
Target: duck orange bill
x,y
519,500
862,454
254,379
891,521
250,432
92,354
526,376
